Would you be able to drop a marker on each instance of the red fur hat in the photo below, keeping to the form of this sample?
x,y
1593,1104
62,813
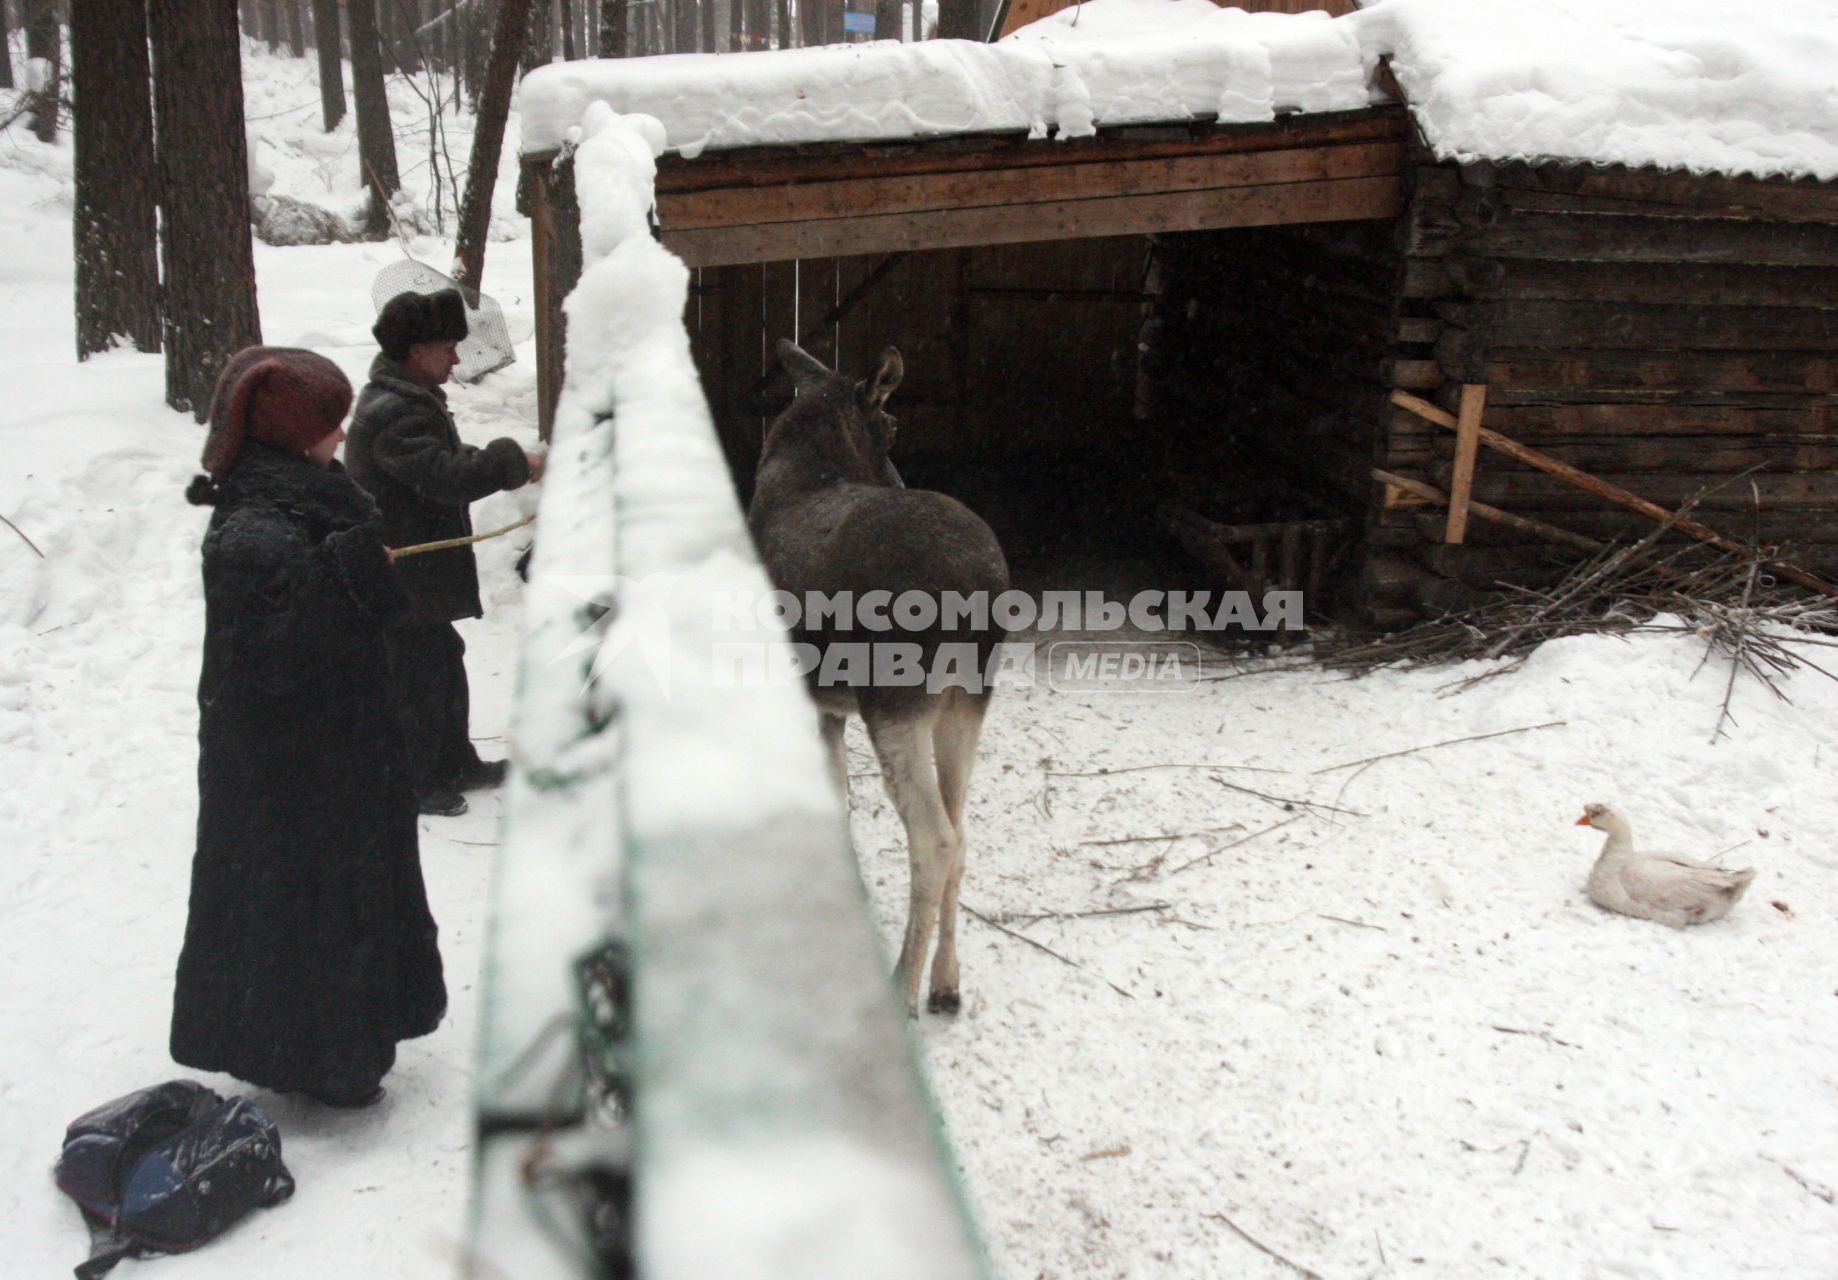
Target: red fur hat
x,y
283,396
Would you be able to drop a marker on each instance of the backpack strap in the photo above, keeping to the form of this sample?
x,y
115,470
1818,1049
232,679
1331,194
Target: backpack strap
x,y
107,1246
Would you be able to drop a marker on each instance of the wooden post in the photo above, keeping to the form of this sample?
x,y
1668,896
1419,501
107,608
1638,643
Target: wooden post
x,y
1467,446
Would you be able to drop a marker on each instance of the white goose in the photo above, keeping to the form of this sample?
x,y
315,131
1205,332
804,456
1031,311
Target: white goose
x,y
1666,887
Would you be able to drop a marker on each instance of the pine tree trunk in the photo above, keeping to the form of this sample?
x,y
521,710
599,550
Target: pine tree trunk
x,y
685,33
296,28
488,141
811,11
203,168
759,22
6,50
331,65
386,34
784,24
539,43
479,21
705,37
613,16
405,15
271,24
115,220
887,20
957,20
376,139
569,51
44,41
737,26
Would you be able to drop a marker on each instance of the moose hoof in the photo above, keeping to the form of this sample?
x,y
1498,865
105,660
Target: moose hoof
x,y
943,1002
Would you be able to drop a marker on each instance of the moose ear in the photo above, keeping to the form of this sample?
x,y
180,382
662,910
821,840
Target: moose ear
x,y
803,367
887,375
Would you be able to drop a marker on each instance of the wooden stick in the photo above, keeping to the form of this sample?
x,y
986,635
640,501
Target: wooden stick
x,y
1275,826
1254,1241
1467,445
396,553
1430,493
22,533
1041,946
1614,493
1448,742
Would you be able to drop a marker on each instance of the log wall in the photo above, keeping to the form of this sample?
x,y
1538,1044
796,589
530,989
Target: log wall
x,y
1675,335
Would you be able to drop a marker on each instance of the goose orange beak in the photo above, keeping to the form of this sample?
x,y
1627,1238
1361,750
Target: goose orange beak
x,y
1583,821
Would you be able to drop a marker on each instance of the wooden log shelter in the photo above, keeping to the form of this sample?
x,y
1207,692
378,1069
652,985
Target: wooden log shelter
x,y
1313,319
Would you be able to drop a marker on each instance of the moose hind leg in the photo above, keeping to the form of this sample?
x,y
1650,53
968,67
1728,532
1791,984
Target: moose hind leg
x,y
903,744
836,754
954,739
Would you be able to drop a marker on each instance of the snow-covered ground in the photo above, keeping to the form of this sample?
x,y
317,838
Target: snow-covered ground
x,y
1389,1038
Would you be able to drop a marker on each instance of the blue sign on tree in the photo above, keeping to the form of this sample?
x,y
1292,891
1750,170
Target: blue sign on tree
x,y
863,22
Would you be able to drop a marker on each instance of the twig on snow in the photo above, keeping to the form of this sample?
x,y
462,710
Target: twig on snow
x,y
1818,1189
1475,737
1023,917
1041,946
1253,1241
1222,848
1142,768
1165,835
1357,924
21,532
1542,1035
1289,802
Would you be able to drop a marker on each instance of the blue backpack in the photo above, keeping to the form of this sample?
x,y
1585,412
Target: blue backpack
x,y
166,1169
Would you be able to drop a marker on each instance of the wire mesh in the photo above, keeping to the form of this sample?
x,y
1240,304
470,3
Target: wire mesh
x,y
488,342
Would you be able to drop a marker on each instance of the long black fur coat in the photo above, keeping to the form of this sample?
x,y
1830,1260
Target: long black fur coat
x,y
309,948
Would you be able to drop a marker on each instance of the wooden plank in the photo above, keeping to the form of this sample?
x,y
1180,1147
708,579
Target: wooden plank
x,y
1609,325
1622,190
1538,528
1816,418
818,293
1467,445
1714,491
835,161
869,196
1713,284
1725,455
1589,237
1052,220
1736,373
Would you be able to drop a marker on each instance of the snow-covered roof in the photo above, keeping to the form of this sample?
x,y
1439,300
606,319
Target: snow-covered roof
x,y
1714,86
1705,85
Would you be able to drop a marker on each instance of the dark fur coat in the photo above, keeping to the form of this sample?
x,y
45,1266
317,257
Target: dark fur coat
x,y
405,450
309,948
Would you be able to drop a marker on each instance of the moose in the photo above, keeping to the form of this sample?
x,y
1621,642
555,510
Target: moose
x,y
831,515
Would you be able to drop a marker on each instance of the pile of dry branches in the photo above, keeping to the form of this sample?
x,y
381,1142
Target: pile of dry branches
x,y
1733,602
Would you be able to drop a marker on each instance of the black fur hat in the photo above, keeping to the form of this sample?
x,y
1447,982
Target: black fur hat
x,y
412,317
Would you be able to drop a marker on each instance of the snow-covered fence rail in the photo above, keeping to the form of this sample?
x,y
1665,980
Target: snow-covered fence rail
x,y
673,849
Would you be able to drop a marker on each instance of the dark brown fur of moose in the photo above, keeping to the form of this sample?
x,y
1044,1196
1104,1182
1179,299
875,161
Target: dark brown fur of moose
x,y
830,514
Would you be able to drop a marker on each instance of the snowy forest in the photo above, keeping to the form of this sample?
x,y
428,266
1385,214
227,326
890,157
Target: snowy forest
x,y
1479,924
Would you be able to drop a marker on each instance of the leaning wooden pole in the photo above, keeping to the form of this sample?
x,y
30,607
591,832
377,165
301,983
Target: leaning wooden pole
x,y
488,142
1614,493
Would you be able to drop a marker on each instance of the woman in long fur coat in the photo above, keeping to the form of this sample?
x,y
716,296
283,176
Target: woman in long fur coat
x,y
309,948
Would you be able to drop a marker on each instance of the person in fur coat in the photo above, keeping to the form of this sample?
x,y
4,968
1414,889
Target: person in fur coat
x,y
309,947
406,451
